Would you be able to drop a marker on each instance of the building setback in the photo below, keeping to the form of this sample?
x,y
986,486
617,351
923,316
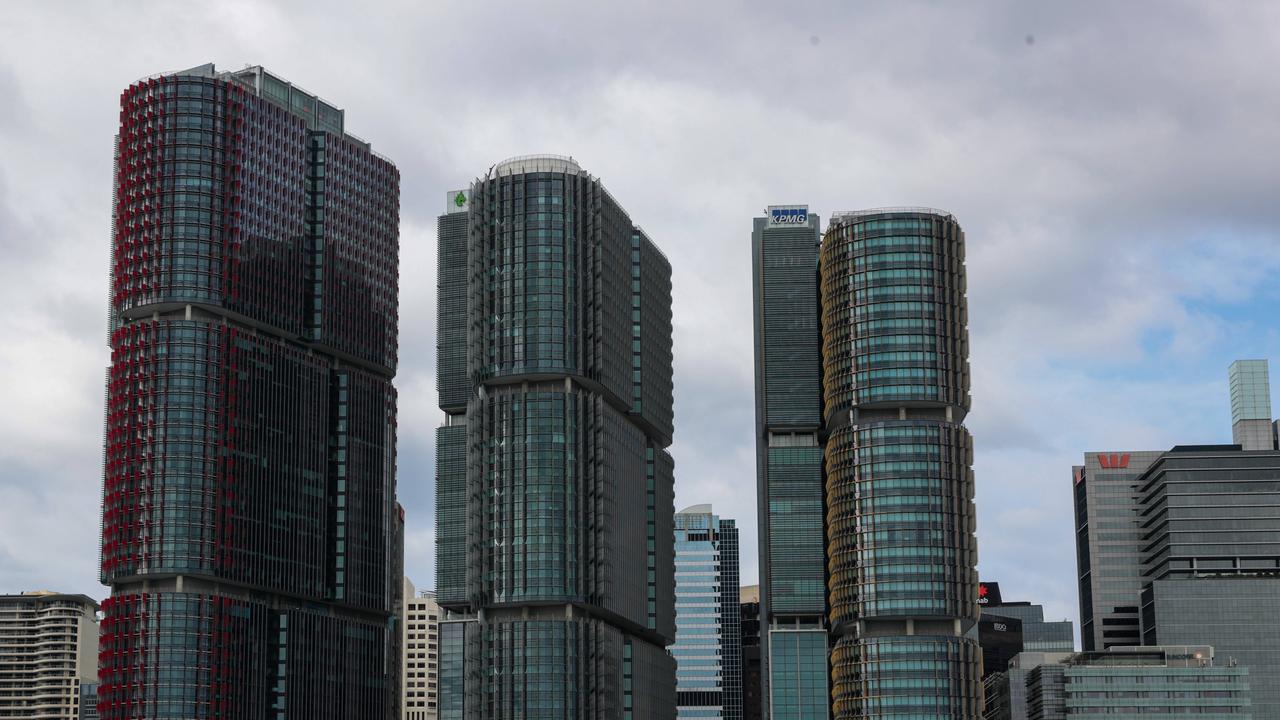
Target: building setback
x,y
421,661
793,608
48,654
248,508
708,646
554,486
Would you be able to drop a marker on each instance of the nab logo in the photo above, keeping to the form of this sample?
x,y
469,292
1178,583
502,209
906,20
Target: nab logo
x,y
1113,461
789,216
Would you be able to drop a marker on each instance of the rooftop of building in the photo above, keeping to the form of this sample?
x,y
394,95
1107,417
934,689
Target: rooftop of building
x,y
319,113
51,596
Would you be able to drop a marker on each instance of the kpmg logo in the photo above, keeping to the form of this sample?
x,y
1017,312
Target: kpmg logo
x,y
1114,461
788,215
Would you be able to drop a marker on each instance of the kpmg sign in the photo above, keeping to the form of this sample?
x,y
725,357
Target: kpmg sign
x,y
781,215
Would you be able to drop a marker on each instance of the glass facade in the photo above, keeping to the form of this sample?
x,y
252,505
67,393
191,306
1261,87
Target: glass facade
x,y
789,464
249,490
1250,384
901,553
556,436
708,646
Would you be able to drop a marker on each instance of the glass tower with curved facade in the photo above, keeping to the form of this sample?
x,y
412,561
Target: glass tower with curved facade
x,y
901,553
555,505
249,493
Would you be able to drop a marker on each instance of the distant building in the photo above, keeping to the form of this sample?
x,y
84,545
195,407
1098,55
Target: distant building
x,y
48,650
1006,691
420,669
708,647
752,695
1139,682
1001,640
1037,634
1109,546
89,701
1250,384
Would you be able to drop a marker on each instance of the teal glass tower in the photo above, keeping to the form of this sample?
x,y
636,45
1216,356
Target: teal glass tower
x,y
901,553
793,609
555,489
708,647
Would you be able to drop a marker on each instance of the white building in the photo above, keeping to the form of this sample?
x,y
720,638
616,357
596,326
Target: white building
x,y
48,647
420,669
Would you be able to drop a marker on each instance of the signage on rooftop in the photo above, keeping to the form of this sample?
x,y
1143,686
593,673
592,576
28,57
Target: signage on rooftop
x,y
783,215
457,200
989,593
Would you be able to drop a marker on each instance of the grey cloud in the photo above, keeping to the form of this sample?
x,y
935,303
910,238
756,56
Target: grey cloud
x,y
1112,178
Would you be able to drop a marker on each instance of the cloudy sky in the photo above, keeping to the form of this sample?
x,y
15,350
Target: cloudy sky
x,y
1114,165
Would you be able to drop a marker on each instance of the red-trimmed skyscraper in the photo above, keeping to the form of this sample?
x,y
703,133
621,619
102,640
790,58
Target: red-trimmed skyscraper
x,y
249,493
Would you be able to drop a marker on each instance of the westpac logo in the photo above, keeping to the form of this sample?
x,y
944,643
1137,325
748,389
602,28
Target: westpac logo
x,y
788,214
1114,461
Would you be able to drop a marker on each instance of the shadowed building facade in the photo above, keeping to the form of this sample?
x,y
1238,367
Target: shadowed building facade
x,y
248,524
555,490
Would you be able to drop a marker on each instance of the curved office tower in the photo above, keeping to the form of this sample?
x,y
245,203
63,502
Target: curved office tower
x,y
555,488
249,489
901,554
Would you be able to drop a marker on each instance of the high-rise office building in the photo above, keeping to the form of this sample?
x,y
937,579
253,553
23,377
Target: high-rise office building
x,y
1000,639
793,608
1250,385
48,653
1210,518
901,552
752,698
864,466
708,646
1187,552
249,494
555,494
1109,546
1138,682
419,696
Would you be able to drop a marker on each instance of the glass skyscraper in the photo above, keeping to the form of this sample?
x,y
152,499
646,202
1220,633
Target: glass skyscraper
x,y
554,485
865,480
793,608
901,552
248,521
708,647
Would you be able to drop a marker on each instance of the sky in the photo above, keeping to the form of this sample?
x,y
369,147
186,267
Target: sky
x,y
1113,165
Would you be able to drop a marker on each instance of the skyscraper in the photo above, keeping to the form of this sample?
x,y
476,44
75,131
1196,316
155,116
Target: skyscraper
x,y
249,493
708,647
48,655
865,480
554,485
901,553
793,609
752,698
1109,546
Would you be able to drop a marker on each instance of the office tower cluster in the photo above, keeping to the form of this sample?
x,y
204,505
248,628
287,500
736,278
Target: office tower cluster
x,y
555,506
48,655
865,480
249,492
1182,547
708,646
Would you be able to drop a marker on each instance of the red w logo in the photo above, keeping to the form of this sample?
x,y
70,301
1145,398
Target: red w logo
x,y
1113,461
